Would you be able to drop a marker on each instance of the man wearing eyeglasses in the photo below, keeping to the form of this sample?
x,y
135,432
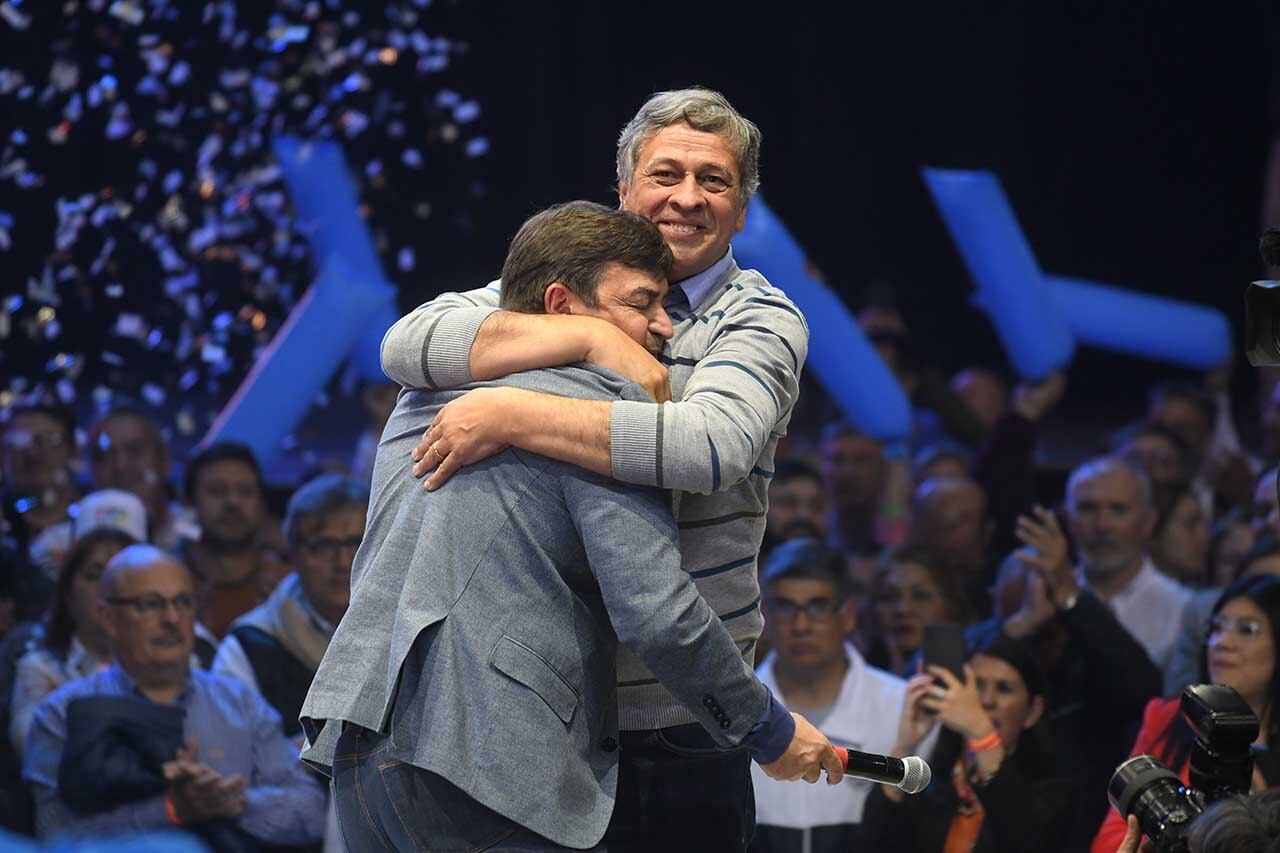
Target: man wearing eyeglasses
x,y
235,767
276,647
810,612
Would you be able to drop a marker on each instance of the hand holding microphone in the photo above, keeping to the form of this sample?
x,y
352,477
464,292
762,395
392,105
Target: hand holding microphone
x,y
808,754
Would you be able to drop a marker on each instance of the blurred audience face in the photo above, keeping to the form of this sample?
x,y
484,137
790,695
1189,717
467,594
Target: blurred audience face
x,y
951,521
1109,523
797,507
1266,510
985,393
854,469
147,607
909,600
36,445
1241,650
229,505
127,452
1186,419
1181,549
82,598
1005,698
322,556
807,623
1161,458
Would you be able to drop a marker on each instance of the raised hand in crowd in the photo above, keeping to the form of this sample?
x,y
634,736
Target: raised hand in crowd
x,y
1047,553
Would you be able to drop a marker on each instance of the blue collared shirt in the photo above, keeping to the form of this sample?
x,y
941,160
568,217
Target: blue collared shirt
x,y
237,731
696,287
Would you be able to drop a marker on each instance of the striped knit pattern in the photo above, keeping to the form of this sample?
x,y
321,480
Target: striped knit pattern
x,y
735,363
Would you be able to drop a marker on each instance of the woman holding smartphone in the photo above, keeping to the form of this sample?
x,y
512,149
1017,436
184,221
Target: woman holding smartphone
x,y
995,784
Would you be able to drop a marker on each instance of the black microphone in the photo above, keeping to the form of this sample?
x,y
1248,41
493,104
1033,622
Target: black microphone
x,y
911,774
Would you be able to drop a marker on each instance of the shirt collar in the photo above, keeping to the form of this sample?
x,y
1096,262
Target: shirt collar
x,y
696,287
1139,581
125,681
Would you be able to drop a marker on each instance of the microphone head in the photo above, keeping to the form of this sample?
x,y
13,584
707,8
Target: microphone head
x,y
916,775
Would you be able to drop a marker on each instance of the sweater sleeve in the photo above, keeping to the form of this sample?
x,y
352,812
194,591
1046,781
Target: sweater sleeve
x,y
430,347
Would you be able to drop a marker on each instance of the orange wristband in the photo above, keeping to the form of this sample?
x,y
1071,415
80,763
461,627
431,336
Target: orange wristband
x,y
171,811
984,744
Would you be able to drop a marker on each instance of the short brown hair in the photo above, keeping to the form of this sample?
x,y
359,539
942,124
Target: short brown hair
x,y
572,243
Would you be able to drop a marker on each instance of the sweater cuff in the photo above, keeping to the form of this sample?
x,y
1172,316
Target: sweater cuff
x,y
635,436
446,353
770,737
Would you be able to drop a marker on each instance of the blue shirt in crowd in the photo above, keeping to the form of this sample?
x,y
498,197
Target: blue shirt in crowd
x,y
237,732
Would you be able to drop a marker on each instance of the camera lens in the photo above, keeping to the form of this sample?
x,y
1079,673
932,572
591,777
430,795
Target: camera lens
x,y
1144,787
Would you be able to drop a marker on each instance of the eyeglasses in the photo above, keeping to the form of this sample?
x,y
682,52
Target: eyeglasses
x,y
146,605
817,609
328,549
1248,629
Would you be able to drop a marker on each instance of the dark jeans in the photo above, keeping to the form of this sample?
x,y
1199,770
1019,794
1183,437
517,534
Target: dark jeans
x,y
678,790
385,804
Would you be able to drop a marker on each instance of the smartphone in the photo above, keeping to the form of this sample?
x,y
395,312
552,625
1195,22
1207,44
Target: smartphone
x,y
944,646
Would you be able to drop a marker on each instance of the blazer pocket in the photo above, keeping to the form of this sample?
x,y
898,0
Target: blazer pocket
x,y
516,660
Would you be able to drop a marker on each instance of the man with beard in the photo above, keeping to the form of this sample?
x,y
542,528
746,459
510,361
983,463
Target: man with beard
x,y
1111,516
235,572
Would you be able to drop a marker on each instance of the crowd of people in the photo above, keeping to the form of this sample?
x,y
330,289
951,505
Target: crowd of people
x,y
158,642
1089,599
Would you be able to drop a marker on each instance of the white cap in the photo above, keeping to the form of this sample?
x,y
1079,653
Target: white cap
x,y
111,508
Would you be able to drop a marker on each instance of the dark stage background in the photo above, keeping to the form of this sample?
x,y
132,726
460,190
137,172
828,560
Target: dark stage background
x,y
1131,138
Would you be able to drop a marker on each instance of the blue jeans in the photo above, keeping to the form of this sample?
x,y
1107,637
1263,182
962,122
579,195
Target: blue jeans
x,y
678,790
386,804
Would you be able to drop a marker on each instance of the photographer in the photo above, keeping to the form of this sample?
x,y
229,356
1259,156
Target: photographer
x,y
1003,791
1241,653
1236,825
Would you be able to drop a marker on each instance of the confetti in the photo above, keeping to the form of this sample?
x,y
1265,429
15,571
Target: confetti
x,y
180,244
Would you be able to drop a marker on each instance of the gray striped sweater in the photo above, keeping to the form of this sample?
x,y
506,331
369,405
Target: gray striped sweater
x,y
735,363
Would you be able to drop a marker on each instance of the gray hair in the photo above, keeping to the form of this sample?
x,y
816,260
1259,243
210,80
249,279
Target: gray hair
x,y
1108,465
702,109
320,497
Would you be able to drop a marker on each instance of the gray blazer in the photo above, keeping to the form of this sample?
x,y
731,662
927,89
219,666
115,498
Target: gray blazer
x,y
520,575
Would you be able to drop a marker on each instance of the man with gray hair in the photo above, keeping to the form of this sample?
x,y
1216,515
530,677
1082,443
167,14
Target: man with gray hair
x,y
1111,517
688,162
276,647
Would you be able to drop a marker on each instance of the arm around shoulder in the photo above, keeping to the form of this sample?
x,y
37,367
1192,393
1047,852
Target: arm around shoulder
x,y
430,347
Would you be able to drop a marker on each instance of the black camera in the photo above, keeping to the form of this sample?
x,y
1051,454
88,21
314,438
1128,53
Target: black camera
x,y
1221,766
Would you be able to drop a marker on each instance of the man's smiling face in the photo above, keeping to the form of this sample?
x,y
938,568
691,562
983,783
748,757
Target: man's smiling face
x,y
686,182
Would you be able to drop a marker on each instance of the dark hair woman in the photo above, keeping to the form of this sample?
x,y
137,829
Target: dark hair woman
x,y
1240,652
72,644
996,785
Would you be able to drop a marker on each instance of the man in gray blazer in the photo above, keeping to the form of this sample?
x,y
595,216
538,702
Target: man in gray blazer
x,y
468,697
